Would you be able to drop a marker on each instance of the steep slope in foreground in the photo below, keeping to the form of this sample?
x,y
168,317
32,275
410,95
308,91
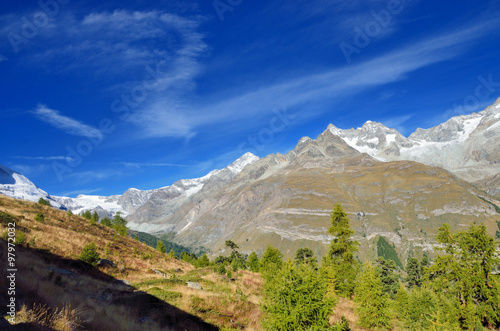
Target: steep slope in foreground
x,y
124,295
285,200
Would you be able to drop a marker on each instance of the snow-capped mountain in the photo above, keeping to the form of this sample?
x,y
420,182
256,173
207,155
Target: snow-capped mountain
x,y
15,185
467,145
133,198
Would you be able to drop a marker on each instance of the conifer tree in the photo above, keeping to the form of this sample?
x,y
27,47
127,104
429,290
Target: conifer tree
x,y
372,304
401,302
253,262
272,259
44,202
414,272
386,271
106,221
89,254
202,262
305,255
296,298
86,214
464,273
160,246
341,254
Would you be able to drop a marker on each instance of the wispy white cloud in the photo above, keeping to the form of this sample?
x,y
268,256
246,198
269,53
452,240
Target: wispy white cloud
x,y
138,165
45,158
83,177
67,124
78,192
164,117
30,170
120,42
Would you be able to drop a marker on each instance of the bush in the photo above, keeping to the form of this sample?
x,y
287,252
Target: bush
x,y
40,217
20,238
89,254
43,202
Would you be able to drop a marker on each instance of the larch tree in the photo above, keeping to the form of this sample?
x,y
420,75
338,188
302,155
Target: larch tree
x,y
464,272
340,256
253,262
296,298
160,246
373,306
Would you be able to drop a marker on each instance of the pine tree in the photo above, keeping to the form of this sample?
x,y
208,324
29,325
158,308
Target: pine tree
x,y
186,257
89,254
107,222
296,298
232,245
341,254
305,255
119,224
464,273
271,260
401,302
160,246
253,262
43,202
424,264
203,261
86,214
372,304
171,253
386,271
414,273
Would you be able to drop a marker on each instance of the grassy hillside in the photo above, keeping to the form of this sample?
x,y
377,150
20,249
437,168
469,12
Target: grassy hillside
x,y
143,290
128,295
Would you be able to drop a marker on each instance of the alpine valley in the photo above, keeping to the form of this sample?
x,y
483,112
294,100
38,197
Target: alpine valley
x,y
396,187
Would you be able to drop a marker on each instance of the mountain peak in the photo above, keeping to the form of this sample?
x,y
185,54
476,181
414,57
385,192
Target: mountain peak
x,y
242,162
15,185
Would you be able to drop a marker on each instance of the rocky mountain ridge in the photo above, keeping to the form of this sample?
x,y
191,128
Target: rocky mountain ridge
x,y
458,145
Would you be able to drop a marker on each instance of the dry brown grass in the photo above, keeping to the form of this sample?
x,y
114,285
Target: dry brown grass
x,y
64,319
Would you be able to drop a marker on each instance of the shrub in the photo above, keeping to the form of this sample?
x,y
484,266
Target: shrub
x,y
43,202
20,238
89,254
40,217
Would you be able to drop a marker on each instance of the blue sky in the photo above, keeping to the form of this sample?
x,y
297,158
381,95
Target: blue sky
x,y
100,96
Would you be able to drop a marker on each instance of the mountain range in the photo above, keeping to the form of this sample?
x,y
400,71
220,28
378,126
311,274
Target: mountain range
x,y
396,187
